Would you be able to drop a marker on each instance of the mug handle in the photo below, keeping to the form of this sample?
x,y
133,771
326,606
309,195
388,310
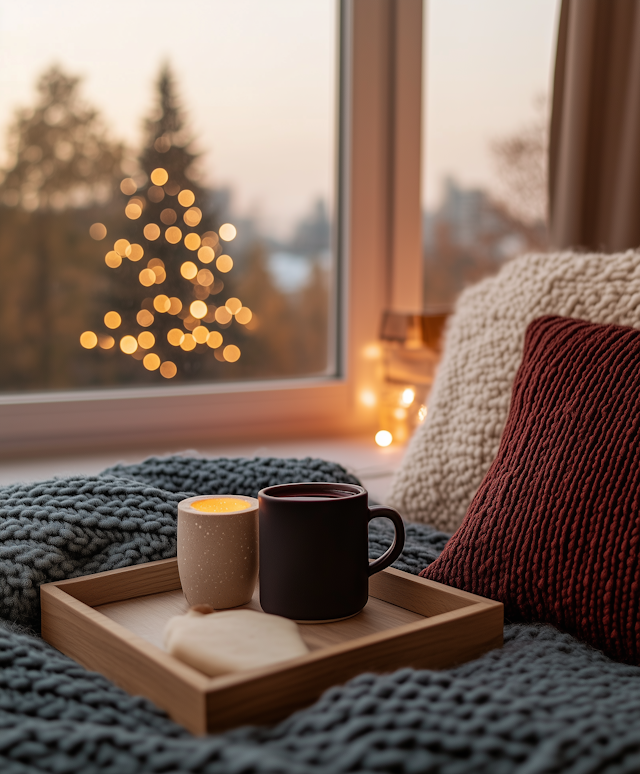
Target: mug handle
x,y
392,553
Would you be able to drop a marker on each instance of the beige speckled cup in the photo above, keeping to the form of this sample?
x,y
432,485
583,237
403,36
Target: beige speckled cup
x,y
218,551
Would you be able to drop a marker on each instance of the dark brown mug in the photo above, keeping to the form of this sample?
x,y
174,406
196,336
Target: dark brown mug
x,y
314,541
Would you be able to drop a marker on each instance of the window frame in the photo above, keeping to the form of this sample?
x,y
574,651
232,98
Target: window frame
x,y
379,266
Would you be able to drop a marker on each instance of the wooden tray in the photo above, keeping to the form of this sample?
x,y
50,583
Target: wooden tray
x,y
112,622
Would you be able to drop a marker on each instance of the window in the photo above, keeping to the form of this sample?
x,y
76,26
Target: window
x,y
333,400
487,90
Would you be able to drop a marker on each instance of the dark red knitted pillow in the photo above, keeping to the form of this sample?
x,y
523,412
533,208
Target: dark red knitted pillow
x,y
554,530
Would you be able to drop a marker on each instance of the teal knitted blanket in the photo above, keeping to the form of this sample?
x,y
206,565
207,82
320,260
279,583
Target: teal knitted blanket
x,y
543,703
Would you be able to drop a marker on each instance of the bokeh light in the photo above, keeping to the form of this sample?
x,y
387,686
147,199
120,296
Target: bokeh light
x,y
147,277
175,337
146,339
155,194
222,315
422,413
200,334
224,263
192,216
227,232
244,315
192,241
144,318
188,343
98,231
128,186
173,235
383,438
189,270
121,247
112,259
106,342
231,353
88,339
407,397
205,277
186,197
112,320
168,216
171,188
206,254
168,369
176,305
159,176
215,339
133,210
128,345
134,252
233,305
198,309
161,303
151,231
151,361
162,145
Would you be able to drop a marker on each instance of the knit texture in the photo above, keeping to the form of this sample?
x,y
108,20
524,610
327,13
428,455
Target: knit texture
x,y
64,528
451,452
554,530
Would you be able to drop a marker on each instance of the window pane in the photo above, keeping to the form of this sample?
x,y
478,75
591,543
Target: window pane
x,y
166,193
487,83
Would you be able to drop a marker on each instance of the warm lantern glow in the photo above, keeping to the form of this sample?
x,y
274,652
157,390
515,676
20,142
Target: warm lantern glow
x,y
173,235
215,339
168,369
128,345
112,259
231,353
227,232
88,339
144,318
159,176
186,197
98,231
221,505
198,309
244,315
383,438
146,339
151,231
233,305
112,320
206,254
192,241
223,315
189,270
151,362
175,337
224,263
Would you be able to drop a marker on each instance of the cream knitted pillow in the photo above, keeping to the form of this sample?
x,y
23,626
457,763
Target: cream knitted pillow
x,y
450,453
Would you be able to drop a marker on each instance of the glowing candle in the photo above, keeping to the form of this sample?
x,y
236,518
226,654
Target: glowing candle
x,y
220,505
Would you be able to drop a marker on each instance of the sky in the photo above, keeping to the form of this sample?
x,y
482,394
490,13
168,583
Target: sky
x,y
485,61
258,81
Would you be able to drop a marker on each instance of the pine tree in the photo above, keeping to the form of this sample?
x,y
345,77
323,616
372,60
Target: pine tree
x,y
168,264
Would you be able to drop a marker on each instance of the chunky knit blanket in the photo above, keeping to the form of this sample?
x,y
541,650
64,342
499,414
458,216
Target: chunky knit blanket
x,y
451,452
544,703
